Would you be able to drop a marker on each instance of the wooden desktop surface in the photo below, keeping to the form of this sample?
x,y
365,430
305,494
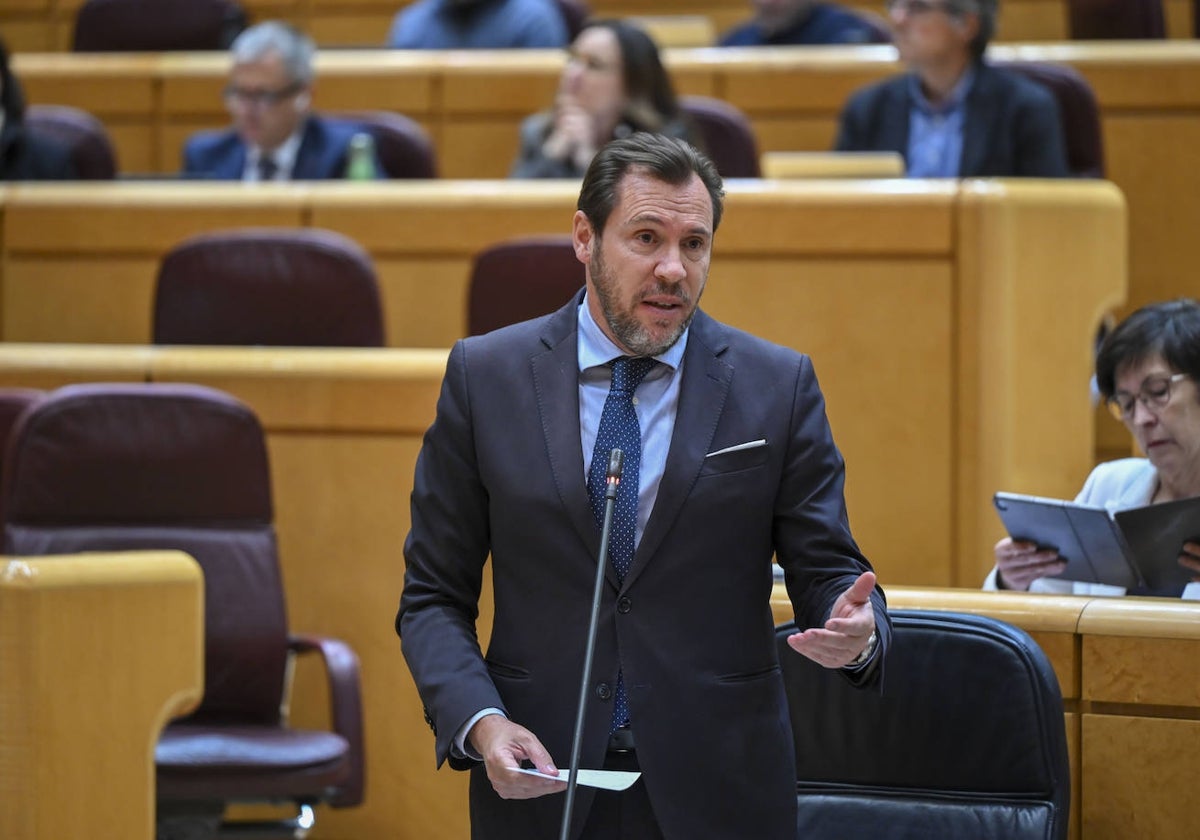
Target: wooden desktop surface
x,y
472,104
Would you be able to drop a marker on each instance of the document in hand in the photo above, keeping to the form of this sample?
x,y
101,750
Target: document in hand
x,y
1138,547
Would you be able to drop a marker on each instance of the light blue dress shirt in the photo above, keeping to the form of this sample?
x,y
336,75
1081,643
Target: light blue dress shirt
x,y
935,133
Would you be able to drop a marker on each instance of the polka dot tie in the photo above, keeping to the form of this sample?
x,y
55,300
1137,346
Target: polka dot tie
x,y
619,429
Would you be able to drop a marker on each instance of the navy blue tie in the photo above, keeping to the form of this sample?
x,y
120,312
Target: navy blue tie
x,y
619,429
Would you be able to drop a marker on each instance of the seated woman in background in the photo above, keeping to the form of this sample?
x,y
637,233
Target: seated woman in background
x,y
613,84
25,156
1148,370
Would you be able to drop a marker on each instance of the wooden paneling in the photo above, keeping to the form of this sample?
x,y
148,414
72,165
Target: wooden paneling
x,y
97,652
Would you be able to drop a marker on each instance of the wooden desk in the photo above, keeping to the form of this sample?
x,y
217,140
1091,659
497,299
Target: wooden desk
x,y
97,653
916,300
472,104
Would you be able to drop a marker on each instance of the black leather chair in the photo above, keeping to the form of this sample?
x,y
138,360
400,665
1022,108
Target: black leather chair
x,y
84,136
295,287
108,467
157,25
965,740
519,279
727,135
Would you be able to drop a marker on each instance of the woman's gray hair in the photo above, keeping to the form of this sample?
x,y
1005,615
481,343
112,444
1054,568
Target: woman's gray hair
x,y
295,48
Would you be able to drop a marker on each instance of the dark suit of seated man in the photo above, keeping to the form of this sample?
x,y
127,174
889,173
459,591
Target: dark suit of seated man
x,y
953,114
275,136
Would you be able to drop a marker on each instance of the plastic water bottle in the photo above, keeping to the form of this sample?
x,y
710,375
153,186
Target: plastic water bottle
x,y
360,162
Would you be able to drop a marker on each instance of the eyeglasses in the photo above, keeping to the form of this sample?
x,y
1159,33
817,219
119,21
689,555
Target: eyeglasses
x,y
916,7
1154,393
240,97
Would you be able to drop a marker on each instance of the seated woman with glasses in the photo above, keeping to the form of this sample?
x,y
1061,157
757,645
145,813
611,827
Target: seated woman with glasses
x,y
954,114
1148,370
613,84
275,135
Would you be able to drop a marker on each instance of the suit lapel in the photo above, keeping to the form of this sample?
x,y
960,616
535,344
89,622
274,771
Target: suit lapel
x,y
979,123
555,370
897,107
702,393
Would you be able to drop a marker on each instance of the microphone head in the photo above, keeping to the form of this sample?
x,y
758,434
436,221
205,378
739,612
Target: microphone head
x,y
616,463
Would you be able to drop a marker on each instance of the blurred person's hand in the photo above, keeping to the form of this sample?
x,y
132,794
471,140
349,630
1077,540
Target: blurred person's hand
x,y
1189,558
573,135
1019,564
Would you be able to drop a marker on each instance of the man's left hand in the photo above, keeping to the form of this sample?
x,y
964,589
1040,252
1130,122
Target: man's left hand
x,y
847,631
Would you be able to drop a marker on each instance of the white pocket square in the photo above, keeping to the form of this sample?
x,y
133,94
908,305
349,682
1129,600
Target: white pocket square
x,y
750,444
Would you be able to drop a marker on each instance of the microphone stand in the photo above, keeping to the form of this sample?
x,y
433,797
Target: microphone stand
x,y
616,460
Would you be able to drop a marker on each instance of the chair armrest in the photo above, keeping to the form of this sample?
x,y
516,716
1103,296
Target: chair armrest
x,y
341,667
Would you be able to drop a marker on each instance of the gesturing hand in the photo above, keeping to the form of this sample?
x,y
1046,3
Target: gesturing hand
x,y
845,634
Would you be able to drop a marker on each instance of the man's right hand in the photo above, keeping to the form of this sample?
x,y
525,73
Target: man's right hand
x,y
504,745
1019,564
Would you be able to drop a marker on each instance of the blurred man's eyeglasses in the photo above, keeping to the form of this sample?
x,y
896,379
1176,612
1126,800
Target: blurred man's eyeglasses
x,y
1154,393
917,7
241,98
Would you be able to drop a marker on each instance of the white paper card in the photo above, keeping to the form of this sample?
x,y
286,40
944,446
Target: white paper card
x,y
606,779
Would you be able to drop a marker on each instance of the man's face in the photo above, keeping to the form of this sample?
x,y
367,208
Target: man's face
x,y
646,273
266,104
929,32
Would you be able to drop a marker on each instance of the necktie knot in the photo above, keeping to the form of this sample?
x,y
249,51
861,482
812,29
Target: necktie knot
x,y
629,371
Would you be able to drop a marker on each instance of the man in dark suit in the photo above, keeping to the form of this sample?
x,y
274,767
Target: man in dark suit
x,y
730,462
953,114
275,136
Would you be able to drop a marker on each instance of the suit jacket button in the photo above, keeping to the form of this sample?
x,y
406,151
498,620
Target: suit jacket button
x,y
624,605
603,691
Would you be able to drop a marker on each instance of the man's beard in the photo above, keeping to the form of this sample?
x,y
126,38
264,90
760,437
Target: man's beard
x,y
628,330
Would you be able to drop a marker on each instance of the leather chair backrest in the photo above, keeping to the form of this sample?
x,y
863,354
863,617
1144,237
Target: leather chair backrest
x,y
403,147
1078,110
1096,20
13,402
111,467
298,287
727,135
84,136
519,279
141,26
966,738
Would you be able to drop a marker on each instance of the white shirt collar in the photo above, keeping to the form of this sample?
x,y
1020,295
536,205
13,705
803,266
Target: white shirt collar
x,y
284,157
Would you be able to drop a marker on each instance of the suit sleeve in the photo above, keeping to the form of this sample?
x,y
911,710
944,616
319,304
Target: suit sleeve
x,y
813,543
444,554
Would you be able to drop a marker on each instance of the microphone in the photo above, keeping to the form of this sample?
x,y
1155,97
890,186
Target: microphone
x,y
616,464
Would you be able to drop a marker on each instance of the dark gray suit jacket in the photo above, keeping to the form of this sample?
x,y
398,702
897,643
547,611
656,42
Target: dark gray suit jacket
x,y
1012,125
501,470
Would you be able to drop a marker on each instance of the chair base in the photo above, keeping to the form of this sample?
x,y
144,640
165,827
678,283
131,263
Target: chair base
x,y
296,828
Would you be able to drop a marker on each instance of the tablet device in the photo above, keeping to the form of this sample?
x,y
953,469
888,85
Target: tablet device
x,y
1087,538
1154,534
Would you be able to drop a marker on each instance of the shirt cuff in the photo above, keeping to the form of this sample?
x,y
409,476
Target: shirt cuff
x,y
460,748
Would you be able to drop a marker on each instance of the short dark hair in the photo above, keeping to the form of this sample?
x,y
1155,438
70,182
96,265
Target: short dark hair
x,y
985,10
1170,329
665,158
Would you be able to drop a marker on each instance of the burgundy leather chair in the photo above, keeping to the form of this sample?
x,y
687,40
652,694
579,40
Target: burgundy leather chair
x,y
157,25
13,402
1078,110
965,739
114,467
519,279
1096,20
84,136
727,135
295,287
401,144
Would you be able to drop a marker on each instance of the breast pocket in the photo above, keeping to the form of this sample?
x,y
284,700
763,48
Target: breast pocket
x,y
724,462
